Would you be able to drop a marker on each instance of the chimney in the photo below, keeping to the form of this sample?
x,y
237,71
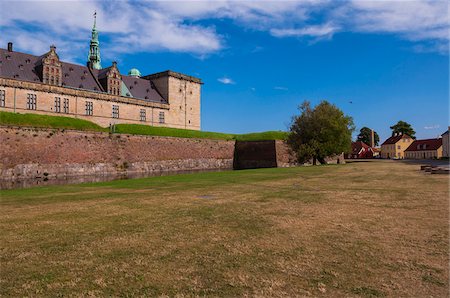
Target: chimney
x,y
10,46
372,138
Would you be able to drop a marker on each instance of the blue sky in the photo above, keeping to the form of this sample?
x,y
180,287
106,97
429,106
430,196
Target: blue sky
x,y
379,61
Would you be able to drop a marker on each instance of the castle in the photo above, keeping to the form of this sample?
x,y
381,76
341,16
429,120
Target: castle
x,y
46,85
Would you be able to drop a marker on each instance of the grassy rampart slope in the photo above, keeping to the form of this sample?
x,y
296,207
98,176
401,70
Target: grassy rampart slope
x,y
60,122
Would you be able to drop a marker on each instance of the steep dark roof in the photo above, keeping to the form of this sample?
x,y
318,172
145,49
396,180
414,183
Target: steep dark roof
x,y
394,139
21,66
424,145
102,72
77,76
143,89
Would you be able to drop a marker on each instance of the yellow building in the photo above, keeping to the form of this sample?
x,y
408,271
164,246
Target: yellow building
x,y
424,149
446,143
395,146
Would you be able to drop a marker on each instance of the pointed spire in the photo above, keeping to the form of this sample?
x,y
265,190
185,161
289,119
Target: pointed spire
x,y
94,49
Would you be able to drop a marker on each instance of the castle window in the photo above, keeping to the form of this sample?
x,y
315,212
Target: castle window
x,y
2,98
57,104
31,101
66,105
161,117
143,115
89,108
115,111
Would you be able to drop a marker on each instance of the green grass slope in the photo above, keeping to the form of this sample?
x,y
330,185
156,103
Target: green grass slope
x,y
59,122
34,120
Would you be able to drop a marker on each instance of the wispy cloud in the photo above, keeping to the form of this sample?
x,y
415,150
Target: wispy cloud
x,y
435,126
313,31
280,88
226,81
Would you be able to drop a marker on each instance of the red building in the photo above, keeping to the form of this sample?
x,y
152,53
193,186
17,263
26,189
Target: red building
x,y
361,150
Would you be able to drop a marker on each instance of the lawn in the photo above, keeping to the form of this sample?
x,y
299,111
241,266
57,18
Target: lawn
x,y
60,122
362,229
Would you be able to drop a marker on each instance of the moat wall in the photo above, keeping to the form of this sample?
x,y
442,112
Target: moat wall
x,y
29,153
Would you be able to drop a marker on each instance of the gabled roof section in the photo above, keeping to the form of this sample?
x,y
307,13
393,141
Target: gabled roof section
x,y
143,89
25,67
81,77
19,66
425,145
358,145
394,139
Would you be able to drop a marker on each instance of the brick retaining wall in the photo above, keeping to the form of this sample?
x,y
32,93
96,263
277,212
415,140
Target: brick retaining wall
x,y
30,153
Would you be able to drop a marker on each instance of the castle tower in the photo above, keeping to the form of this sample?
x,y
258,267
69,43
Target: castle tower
x,y
94,49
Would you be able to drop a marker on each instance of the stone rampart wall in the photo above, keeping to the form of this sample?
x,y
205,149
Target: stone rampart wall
x,y
30,153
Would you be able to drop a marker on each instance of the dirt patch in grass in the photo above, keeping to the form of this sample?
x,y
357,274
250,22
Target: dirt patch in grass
x,y
363,229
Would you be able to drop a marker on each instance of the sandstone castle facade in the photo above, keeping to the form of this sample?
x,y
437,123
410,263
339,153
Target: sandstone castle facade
x,y
47,85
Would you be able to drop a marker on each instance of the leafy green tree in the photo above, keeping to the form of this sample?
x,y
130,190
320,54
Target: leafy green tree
x,y
365,135
320,132
404,128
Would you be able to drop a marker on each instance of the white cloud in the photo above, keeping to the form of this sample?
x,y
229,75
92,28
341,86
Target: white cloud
x,y
226,81
422,19
125,26
178,26
314,31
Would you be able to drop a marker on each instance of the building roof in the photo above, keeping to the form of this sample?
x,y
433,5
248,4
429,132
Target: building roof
x,y
394,139
23,67
19,66
141,88
425,145
358,145
170,73
446,132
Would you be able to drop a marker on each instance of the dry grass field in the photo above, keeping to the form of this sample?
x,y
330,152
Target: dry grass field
x,y
362,229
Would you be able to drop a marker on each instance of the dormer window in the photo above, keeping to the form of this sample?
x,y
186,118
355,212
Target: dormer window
x,y
27,61
8,57
21,66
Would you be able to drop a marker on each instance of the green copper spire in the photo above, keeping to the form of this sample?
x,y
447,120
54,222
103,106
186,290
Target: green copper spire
x,y
94,49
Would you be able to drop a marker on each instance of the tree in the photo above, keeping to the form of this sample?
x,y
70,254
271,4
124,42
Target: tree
x,y
365,135
320,132
404,128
